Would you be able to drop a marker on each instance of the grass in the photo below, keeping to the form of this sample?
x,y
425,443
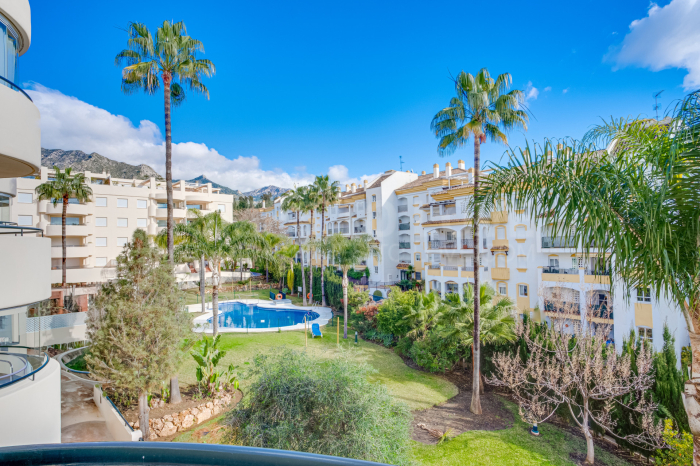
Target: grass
x,y
510,446
192,295
417,389
78,364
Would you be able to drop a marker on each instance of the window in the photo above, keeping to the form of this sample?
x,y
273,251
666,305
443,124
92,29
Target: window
x,y
574,262
522,291
141,222
500,260
122,203
643,295
25,198
522,262
141,204
101,201
520,232
416,238
25,220
101,242
645,334
162,223
122,241
417,256
500,232
554,261
101,221
374,198
376,269
502,289
417,274
375,233
100,261
69,221
416,200
162,206
122,222
416,218
222,207
374,215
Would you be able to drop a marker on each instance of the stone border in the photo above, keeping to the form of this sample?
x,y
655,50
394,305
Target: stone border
x,y
325,315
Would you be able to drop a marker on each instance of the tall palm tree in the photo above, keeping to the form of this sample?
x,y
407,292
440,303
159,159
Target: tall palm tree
x,y
62,188
497,319
271,241
172,58
245,242
347,252
311,198
329,193
630,188
294,201
482,108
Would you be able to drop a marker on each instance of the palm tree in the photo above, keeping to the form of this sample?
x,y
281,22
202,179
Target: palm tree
x,y
245,242
424,315
329,193
285,256
481,109
294,201
172,58
311,199
630,188
348,252
271,241
497,319
63,187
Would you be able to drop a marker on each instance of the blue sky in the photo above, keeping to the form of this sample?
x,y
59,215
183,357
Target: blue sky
x,y
302,87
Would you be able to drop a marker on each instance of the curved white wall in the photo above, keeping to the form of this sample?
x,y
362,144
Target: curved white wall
x,y
26,270
8,186
19,12
31,409
20,135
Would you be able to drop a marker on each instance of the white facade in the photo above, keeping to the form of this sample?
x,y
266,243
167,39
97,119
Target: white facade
x,y
98,230
30,383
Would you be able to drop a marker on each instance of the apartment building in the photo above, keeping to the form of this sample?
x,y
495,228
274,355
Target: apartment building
x,y
98,230
30,381
421,221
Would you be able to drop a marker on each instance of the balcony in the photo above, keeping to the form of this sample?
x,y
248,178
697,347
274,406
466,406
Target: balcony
x,y
553,273
20,145
404,226
468,243
562,309
442,244
360,230
556,269
404,245
84,275
403,265
162,195
25,275
291,234
71,209
72,252
500,273
549,242
597,276
344,230
177,213
71,230
403,208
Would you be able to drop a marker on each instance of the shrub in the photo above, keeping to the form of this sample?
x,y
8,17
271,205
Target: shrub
x,y
377,293
434,354
399,304
680,451
403,347
369,311
299,403
207,355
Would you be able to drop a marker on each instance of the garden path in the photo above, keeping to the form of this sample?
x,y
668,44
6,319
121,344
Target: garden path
x,y
81,421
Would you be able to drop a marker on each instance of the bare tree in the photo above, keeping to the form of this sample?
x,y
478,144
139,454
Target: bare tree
x,y
266,224
570,363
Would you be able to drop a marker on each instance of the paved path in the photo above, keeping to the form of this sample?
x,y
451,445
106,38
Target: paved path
x,y
81,421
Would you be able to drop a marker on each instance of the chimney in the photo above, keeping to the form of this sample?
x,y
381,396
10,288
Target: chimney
x,y
366,185
448,169
353,187
460,164
436,171
423,172
347,188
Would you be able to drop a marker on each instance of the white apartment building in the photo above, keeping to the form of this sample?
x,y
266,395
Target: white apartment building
x,y
30,381
98,230
420,220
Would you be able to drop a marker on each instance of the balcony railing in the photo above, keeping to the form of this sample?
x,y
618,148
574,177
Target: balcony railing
x,y
602,311
14,86
344,231
291,235
360,229
468,243
404,226
20,365
450,267
597,272
443,244
403,208
404,245
468,269
563,307
11,228
557,242
434,266
555,269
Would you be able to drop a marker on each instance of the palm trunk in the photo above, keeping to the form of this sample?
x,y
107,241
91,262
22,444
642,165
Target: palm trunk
x,y
215,298
63,242
323,266
303,278
311,261
168,168
143,415
691,394
345,303
175,396
202,283
476,398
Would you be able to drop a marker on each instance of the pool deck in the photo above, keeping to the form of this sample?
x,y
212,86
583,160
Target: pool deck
x,y
201,324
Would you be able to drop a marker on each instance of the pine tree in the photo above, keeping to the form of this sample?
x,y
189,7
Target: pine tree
x,y
138,330
668,386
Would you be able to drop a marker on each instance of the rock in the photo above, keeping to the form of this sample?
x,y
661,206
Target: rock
x,y
153,435
217,409
194,411
188,421
157,424
136,424
210,405
168,429
203,415
168,418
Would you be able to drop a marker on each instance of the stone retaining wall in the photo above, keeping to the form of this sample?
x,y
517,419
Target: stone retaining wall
x,y
177,422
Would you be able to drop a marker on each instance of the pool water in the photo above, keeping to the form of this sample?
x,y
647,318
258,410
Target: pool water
x,y
240,315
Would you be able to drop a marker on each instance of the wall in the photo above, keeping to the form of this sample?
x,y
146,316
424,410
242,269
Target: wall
x,y
25,271
115,424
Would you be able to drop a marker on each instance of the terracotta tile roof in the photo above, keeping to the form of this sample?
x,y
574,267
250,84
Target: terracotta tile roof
x,y
429,177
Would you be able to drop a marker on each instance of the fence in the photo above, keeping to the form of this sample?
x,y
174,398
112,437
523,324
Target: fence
x,y
73,319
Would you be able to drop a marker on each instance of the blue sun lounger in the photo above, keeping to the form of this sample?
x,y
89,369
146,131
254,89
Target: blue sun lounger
x,y
316,331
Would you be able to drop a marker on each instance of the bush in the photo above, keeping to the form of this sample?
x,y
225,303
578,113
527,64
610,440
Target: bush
x,y
299,403
399,304
377,293
403,347
434,354
680,452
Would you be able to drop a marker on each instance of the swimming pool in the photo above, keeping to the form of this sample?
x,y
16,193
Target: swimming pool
x,y
242,315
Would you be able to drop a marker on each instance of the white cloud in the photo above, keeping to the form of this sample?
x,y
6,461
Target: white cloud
x,y
565,91
531,92
548,88
668,37
340,173
71,124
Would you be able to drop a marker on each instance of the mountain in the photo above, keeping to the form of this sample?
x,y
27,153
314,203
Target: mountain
x,y
258,193
201,179
96,163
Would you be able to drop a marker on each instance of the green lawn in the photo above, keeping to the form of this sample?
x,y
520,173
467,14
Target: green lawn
x,y
418,389
192,295
508,447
